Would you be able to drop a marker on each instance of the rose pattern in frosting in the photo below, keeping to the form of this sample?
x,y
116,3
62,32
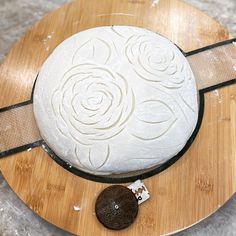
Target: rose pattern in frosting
x,y
95,104
153,61
99,103
96,107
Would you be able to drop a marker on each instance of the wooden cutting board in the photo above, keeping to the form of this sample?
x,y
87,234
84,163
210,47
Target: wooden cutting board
x,y
187,192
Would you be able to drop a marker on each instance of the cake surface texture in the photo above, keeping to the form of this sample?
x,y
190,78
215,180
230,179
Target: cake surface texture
x,y
116,99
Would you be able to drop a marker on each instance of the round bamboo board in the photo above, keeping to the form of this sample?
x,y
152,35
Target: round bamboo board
x,y
188,191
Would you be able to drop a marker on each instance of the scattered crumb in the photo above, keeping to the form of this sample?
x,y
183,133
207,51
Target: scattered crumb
x,y
29,149
155,2
218,95
44,148
77,208
216,92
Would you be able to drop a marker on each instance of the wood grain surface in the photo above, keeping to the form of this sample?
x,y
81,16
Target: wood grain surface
x,y
188,191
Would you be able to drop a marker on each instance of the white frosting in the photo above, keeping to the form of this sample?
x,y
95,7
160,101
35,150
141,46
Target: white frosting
x,y
116,99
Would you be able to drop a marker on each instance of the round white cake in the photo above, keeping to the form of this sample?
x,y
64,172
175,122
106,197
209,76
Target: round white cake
x,y
112,100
